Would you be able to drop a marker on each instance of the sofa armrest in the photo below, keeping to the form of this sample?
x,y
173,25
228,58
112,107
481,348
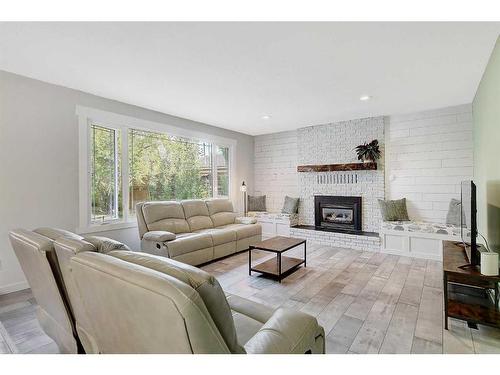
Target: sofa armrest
x,y
245,220
288,332
159,236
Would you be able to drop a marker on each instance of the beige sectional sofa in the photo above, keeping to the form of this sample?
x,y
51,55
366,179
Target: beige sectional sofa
x,y
193,231
96,296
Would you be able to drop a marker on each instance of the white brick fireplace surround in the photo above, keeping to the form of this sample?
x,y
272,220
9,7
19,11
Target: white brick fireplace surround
x,y
427,154
334,144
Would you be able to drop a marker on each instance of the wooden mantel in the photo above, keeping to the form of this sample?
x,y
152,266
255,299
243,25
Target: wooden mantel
x,y
338,167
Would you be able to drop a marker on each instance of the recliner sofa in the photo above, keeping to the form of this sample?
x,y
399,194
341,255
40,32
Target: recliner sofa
x,y
193,231
42,268
131,302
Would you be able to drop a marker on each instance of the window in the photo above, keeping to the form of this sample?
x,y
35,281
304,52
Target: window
x,y
168,168
105,174
222,170
124,161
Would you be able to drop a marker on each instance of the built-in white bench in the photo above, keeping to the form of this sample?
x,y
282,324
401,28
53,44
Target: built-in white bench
x,y
275,224
417,238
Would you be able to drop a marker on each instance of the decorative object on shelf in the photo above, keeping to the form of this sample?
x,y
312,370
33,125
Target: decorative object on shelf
x,y
257,203
489,263
243,189
368,152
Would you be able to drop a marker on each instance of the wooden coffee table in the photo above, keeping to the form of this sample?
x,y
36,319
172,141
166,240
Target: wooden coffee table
x,y
281,266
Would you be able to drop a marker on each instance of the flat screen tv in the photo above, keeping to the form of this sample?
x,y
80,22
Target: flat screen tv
x,y
468,221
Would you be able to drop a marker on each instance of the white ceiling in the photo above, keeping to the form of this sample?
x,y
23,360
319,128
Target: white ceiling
x,y
231,74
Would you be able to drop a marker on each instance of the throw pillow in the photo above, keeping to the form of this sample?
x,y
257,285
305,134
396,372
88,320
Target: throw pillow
x,y
455,215
290,206
257,203
394,210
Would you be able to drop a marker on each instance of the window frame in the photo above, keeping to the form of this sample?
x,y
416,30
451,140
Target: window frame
x,y
90,116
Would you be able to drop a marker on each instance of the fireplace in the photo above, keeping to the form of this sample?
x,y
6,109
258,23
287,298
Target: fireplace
x,y
337,213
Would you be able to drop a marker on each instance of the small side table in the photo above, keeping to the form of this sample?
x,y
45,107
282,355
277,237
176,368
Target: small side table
x,y
281,266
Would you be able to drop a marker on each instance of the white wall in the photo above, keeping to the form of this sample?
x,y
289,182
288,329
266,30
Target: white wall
x,y
486,111
39,155
428,154
275,168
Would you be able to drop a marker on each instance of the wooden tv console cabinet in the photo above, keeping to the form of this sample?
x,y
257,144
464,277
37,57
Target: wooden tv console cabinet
x,y
465,289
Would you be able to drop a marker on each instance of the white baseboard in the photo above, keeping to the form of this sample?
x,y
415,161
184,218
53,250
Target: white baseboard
x,y
10,288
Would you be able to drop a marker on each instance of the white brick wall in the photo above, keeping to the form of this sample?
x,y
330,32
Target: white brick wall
x,y
335,143
427,155
348,241
277,156
275,168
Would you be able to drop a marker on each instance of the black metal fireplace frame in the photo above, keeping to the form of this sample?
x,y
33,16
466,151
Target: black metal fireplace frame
x,y
329,200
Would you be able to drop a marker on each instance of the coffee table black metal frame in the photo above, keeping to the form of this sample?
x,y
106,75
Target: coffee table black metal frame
x,y
291,264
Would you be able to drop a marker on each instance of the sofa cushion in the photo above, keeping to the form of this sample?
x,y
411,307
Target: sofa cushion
x,y
245,230
104,245
167,216
159,236
223,218
205,284
55,233
393,210
220,236
196,213
257,203
188,242
219,205
455,215
221,211
290,206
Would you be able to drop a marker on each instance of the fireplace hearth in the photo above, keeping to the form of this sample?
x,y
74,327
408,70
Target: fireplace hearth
x,y
337,213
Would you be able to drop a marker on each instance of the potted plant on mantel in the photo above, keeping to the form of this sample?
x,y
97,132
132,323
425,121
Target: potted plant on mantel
x,y
368,152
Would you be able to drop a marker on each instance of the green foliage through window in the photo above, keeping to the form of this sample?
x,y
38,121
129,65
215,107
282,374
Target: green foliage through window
x,y
160,167
105,172
167,168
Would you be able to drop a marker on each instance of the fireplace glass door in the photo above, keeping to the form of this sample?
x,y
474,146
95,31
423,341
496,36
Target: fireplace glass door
x,y
337,215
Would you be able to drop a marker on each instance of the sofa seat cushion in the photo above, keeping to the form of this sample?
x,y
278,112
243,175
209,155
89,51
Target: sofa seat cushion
x,y
220,236
205,284
244,230
188,242
448,230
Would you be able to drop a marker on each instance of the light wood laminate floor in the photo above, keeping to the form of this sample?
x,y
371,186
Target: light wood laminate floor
x,y
367,302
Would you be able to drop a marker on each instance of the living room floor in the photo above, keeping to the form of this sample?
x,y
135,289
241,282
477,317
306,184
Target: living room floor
x,y
367,302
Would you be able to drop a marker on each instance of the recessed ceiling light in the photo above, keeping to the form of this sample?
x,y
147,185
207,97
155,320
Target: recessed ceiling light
x,y
266,117
364,98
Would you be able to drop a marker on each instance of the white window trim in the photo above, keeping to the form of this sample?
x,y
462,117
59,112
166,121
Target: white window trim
x,y
88,116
